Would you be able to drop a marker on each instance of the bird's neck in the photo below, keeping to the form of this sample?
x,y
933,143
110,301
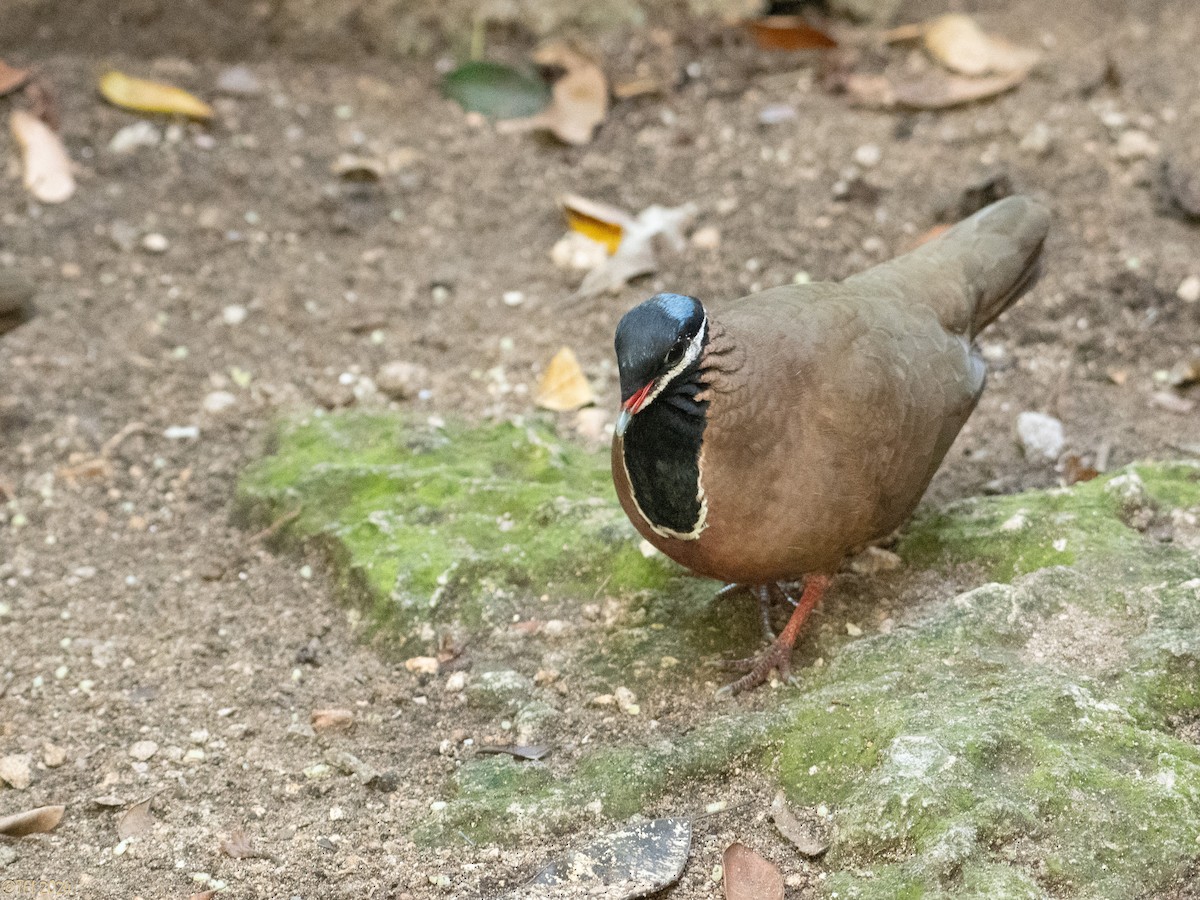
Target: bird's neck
x,y
661,452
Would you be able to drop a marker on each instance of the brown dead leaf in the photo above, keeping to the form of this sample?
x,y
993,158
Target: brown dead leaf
x,y
44,160
636,256
32,821
564,387
1117,376
240,845
12,78
578,100
787,33
1075,470
937,90
138,819
203,895
750,877
959,44
332,719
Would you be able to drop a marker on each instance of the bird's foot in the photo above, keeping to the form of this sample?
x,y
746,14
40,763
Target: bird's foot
x,y
761,592
776,658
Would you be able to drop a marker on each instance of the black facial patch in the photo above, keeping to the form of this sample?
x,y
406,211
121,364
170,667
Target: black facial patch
x,y
662,454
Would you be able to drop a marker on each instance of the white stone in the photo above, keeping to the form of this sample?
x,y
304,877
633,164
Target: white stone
x,y
868,155
400,379
143,750
219,401
1136,144
1189,289
234,314
1041,436
155,243
131,137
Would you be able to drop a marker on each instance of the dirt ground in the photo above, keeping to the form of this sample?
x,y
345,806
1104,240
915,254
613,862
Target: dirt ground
x,y
132,609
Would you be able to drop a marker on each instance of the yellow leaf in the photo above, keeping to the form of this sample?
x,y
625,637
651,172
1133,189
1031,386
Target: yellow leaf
x,y
602,223
140,95
563,386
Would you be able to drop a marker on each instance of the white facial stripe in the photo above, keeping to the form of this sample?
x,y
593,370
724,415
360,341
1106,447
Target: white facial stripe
x,y
692,354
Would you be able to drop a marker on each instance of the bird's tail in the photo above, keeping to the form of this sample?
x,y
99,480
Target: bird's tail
x,y
974,271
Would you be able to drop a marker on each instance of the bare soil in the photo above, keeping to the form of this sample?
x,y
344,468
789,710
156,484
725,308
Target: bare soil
x,y
137,611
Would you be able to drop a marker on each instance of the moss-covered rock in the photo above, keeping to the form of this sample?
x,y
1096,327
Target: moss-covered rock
x,y
1016,740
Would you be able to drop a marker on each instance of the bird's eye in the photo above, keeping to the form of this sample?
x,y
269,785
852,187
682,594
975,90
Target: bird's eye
x,y
675,354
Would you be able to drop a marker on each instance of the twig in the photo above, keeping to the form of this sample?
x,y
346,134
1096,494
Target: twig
x,y
269,532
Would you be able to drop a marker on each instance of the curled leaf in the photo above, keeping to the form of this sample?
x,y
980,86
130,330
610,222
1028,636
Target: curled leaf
x,y
141,95
563,386
579,99
44,160
240,845
601,222
32,821
959,44
635,256
941,91
787,33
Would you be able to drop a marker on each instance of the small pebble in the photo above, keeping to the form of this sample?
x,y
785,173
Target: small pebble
x,y
400,379
422,665
234,314
219,401
181,433
238,81
1189,289
456,682
1135,144
1041,436
868,155
155,243
513,298
131,137
1039,140
143,750
707,238
853,630
777,114
16,771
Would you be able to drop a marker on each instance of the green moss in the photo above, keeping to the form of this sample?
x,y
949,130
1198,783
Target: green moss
x,y
452,525
1015,741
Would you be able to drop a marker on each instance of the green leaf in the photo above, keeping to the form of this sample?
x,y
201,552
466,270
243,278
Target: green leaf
x,y
496,90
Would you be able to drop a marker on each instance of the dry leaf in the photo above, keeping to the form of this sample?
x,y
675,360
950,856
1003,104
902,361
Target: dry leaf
x,y
601,222
638,87
203,895
787,33
750,877
11,78
43,158
635,256
1075,470
874,91
1185,373
808,840
578,101
1117,376
145,96
959,44
563,386
332,719
33,821
16,770
240,845
941,91
138,819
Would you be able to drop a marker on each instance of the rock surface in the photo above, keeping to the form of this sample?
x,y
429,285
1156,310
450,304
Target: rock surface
x,y
978,748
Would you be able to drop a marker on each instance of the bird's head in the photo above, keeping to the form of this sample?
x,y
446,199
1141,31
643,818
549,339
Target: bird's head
x,y
657,342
